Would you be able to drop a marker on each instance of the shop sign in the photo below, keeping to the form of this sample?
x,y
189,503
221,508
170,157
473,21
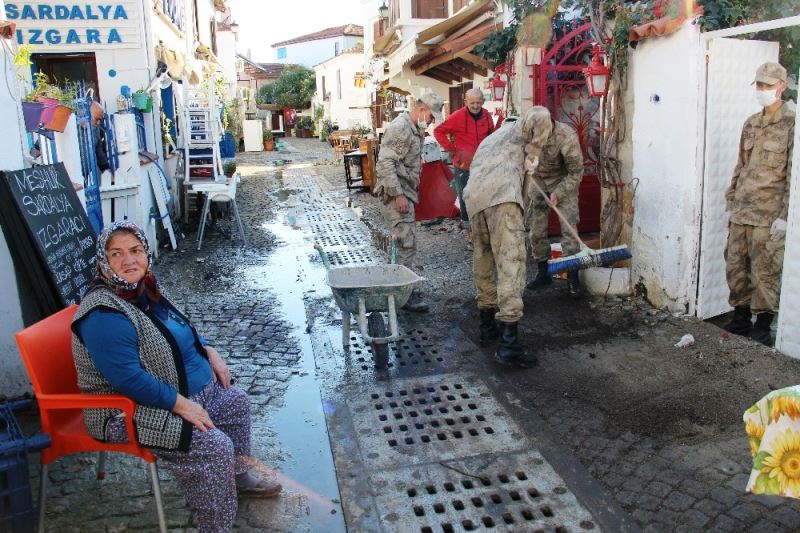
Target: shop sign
x,y
67,26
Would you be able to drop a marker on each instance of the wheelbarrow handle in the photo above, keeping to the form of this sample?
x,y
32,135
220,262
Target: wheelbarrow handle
x,y
392,250
323,255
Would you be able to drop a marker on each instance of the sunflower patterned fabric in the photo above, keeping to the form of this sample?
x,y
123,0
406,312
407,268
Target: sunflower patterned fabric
x,y
773,430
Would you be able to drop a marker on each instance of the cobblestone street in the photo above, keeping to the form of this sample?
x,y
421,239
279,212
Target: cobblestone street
x,y
615,429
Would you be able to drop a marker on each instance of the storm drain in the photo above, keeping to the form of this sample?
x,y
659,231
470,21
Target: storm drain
x,y
354,257
315,217
342,239
518,492
414,349
432,418
334,228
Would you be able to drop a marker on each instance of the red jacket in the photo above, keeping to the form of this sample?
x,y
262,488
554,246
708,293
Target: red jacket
x,y
467,133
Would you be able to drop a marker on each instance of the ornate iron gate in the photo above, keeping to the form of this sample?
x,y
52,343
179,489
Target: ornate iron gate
x,y
559,85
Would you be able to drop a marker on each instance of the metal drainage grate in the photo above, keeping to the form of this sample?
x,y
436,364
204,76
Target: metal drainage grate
x,y
516,493
415,348
342,239
433,418
317,217
331,228
356,257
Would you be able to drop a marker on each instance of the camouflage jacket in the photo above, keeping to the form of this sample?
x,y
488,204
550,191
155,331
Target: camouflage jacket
x,y
400,160
497,173
759,190
561,162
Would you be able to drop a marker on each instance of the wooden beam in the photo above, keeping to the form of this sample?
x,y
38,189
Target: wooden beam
x,y
439,76
446,52
475,59
450,70
455,21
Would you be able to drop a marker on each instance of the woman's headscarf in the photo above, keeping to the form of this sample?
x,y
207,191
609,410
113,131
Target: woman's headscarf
x,y
145,294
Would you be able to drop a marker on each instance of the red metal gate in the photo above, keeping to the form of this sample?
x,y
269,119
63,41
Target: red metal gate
x,y
559,85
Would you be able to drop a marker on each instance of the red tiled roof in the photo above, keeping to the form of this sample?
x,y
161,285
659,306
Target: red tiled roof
x,y
261,71
327,33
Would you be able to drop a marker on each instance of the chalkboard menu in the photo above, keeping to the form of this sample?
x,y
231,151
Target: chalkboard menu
x,y
48,233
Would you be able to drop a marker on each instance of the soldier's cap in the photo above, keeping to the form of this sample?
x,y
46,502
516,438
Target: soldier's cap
x,y
434,103
770,73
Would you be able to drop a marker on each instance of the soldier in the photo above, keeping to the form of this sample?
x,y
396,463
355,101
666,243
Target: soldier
x,y
494,198
758,203
468,127
397,179
559,175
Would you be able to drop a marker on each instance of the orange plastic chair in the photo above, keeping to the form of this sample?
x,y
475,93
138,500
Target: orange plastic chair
x,y
46,349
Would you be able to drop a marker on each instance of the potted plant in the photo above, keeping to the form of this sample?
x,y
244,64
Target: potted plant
x,y
269,141
142,101
65,96
56,104
325,130
305,127
229,168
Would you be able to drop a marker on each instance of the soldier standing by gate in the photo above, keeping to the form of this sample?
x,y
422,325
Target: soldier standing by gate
x,y
559,175
397,179
758,203
494,198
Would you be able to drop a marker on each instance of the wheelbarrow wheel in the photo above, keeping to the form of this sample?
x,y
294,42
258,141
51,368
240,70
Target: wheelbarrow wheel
x,y
377,328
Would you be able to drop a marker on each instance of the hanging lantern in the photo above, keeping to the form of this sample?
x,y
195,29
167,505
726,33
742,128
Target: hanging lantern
x,y
383,11
597,75
497,85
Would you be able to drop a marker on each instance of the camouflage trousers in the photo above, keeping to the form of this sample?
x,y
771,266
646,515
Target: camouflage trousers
x,y
753,265
538,220
403,226
498,238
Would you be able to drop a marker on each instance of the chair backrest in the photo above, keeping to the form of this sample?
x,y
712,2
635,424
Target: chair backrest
x,y
229,193
46,349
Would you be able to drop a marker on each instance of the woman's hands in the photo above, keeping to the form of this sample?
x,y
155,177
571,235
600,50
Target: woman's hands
x,y
218,367
193,413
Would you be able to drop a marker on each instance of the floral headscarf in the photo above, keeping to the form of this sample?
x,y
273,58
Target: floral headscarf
x,y
146,293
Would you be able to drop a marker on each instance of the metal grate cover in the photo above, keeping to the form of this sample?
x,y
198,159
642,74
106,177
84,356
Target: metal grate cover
x,y
432,418
354,257
518,492
351,240
414,349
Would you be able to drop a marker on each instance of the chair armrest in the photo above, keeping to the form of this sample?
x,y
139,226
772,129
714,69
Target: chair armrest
x,y
90,401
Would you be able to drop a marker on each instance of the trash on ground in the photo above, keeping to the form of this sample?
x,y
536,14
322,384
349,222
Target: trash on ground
x,y
686,340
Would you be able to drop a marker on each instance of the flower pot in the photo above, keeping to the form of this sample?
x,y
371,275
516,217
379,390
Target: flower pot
x,y
142,101
59,120
50,105
269,146
32,112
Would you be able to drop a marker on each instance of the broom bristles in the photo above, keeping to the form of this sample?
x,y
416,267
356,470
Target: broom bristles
x,y
603,257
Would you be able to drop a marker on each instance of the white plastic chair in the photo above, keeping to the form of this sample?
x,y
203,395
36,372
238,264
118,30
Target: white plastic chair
x,y
219,192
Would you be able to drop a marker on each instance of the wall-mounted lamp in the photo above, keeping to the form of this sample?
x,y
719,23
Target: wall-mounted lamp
x,y
383,11
597,75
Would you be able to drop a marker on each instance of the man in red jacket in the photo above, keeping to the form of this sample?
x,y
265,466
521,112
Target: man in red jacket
x,y
460,134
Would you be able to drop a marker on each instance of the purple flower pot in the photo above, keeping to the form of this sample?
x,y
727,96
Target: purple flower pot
x,y
50,105
32,111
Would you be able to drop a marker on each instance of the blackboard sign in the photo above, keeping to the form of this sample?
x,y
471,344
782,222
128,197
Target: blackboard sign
x,y
48,233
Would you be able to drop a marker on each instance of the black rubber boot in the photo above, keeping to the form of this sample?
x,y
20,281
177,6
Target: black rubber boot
x,y
489,328
415,304
740,325
510,350
762,332
574,282
542,278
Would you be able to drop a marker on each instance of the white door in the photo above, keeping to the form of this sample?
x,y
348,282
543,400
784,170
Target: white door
x,y
730,99
253,141
788,337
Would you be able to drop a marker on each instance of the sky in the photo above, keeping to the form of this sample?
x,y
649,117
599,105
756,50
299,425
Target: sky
x,y
264,22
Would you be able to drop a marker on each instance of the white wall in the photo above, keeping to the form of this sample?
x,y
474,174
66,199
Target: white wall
x,y
226,53
339,109
12,372
310,53
665,144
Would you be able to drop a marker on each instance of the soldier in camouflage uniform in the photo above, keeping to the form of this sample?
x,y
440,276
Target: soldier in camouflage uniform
x,y
494,201
397,179
559,175
758,203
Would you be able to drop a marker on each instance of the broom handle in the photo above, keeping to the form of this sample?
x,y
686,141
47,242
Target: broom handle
x,y
561,216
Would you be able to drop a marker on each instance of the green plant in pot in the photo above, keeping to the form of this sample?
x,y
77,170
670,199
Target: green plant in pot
x,y
269,140
142,101
229,168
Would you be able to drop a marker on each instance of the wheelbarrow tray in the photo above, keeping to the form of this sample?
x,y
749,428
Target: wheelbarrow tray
x,y
374,283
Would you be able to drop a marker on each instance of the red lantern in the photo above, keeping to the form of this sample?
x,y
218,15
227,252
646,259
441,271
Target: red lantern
x,y
497,85
597,75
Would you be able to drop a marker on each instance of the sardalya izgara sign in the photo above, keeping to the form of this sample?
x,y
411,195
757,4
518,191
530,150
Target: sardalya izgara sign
x,y
73,24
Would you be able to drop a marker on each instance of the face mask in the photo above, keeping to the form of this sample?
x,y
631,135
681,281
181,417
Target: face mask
x,y
766,98
422,124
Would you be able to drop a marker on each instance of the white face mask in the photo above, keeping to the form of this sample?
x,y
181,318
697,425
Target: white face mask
x,y
766,98
422,124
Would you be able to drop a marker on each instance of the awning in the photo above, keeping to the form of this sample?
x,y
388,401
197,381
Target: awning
x,y
444,51
386,44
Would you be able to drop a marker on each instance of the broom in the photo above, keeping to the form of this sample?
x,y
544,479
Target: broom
x,y
587,257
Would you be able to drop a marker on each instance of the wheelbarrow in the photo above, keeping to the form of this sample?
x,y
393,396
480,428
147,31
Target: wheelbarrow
x,y
366,291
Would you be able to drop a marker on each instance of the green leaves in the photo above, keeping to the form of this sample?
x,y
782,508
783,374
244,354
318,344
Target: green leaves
x,y
295,87
766,485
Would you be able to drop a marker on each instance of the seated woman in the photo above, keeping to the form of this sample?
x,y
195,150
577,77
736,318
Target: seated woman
x,y
129,339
